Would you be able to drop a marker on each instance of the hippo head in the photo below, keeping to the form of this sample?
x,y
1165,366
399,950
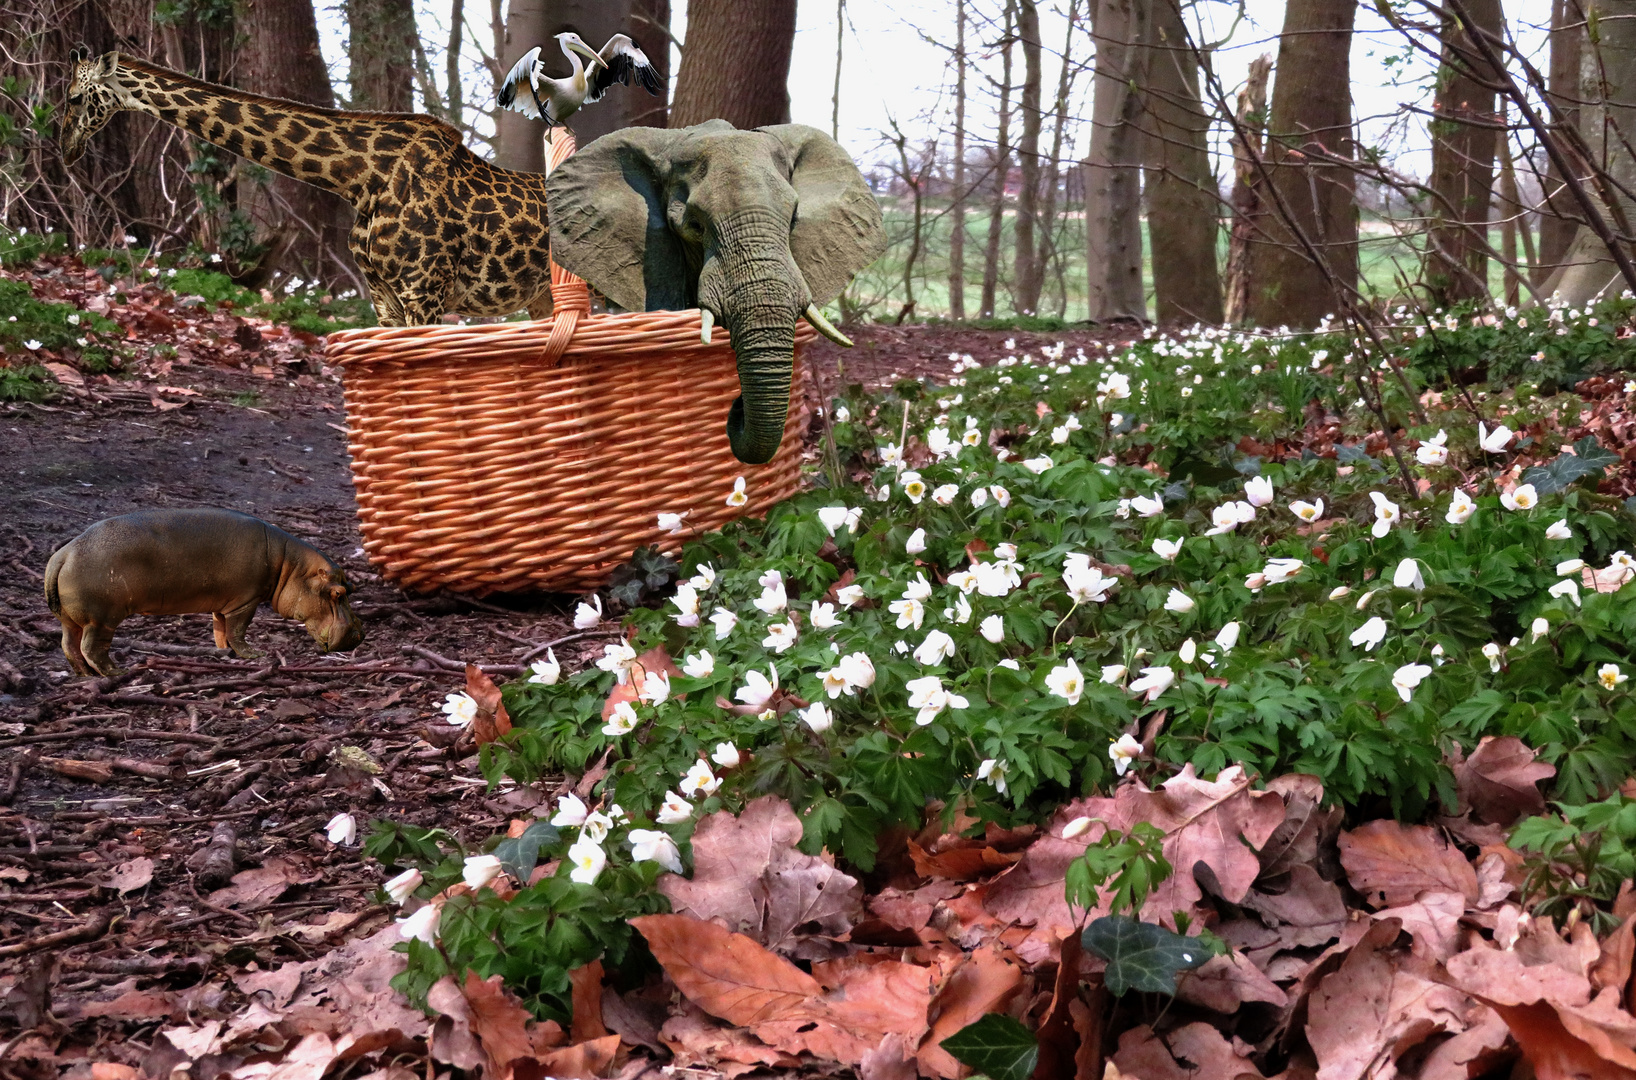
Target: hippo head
x,y
319,599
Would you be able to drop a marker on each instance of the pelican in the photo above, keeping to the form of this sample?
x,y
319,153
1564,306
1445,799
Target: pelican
x,y
555,100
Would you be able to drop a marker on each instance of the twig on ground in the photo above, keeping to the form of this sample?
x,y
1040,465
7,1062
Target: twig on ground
x,y
565,639
92,927
456,665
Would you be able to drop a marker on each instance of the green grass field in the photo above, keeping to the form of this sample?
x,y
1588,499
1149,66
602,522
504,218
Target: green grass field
x,y
1387,261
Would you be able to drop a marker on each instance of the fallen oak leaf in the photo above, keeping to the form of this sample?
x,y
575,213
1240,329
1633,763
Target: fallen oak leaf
x,y
1392,864
727,975
587,1002
505,1030
491,721
582,1061
1500,780
748,874
1377,1006
984,983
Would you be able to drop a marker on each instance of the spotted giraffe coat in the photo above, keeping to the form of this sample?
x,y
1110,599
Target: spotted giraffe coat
x,y
438,228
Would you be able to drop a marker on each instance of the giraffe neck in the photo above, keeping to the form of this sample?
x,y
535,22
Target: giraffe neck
x,y
328,148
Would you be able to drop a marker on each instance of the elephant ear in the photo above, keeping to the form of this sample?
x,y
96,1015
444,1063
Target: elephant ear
x,y
607,206
837,229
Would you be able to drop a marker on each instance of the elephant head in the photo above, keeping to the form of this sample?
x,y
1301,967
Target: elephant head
x,y
757,228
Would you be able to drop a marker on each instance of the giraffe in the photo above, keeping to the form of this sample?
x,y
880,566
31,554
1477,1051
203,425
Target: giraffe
x,y
438,229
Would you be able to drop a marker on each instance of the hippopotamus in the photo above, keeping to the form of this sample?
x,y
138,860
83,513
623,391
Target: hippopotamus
x,y
175,562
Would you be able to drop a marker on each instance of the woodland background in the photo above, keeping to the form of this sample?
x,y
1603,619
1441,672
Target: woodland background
x,y
1102,170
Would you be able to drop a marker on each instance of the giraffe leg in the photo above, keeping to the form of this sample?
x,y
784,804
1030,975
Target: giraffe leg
x,y
424,308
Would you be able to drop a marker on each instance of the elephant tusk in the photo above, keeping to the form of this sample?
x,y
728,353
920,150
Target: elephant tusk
x,y
707,320
824,327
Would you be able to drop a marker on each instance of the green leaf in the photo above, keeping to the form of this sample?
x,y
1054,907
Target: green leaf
x,y
996,1046
1589,458
1141,956
519,854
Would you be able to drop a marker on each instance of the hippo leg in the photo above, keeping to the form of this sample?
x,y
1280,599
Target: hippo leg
x,y
94,642
219,625
71,632
234,623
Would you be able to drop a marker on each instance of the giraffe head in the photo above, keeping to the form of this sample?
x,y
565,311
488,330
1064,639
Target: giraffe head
x,y
92,101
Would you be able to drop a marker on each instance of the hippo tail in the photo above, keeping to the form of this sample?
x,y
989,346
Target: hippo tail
x,y
53,599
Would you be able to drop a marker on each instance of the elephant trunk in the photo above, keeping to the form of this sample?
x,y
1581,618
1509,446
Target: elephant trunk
x,y
760,295
755,424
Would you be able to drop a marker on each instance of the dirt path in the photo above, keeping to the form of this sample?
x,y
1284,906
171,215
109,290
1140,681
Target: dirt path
x,y
119,797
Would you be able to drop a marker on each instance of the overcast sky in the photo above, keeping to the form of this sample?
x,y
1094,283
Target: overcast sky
x,y
896,65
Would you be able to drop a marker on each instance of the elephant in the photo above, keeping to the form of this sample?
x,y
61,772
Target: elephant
x,y
756,228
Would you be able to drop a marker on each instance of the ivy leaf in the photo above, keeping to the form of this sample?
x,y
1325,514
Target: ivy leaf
x,y
1141,956
519,854
996,1046
1588,459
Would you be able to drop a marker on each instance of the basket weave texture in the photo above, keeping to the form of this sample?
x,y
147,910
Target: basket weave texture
x,y
538,455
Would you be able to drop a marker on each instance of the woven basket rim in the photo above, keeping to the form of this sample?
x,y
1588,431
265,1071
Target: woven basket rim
x,y
607,321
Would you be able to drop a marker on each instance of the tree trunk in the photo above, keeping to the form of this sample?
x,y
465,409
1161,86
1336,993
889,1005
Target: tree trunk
x,y
736,66
1558,221
380,54
1029,274
521,141
1246,198
1462,171
915,181
1001,172
957,211
305,228
835,92
1608,121
1182,207
1311,118
1514,219
1054,181
1113,223
454,106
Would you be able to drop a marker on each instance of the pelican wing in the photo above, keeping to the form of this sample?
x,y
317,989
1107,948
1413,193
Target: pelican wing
x,y
622,60
524,75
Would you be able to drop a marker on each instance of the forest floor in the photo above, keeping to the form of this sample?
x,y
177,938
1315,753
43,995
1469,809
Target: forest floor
x,y
163,857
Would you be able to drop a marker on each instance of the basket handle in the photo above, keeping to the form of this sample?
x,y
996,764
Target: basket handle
x,y
570,297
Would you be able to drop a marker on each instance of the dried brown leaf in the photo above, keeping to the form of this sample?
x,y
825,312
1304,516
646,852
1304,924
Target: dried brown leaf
x,y
260,886
1057,1039
1500,780
491,721
726,974
1220,823
983,984
130,876
893,1059
1392,864
582,1061
1305,909
1376,1007
1227,982
1433,921
586,1023
748,874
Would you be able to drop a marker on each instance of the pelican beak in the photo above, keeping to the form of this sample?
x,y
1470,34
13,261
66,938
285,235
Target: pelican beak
x,y
825,327
589,54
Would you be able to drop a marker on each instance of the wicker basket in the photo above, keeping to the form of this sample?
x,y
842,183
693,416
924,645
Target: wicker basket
x,y
538,455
